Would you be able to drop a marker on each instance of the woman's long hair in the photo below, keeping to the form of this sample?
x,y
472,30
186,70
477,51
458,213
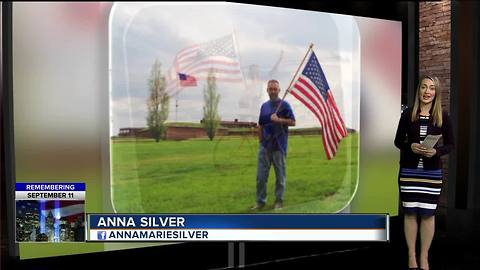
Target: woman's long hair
x,y
436,115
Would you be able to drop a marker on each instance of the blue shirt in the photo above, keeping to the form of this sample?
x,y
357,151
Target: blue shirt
x,y
275,136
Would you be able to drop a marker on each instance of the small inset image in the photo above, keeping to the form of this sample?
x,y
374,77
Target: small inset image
x,y
50,221
50,212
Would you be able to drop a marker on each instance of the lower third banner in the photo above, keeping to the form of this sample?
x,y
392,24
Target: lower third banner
x,y
237,227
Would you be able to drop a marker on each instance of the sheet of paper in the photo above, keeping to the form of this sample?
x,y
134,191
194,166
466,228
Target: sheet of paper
x,y
431,140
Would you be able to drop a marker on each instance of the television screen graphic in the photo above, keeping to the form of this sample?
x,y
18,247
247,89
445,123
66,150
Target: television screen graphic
x,y
85,107
185,108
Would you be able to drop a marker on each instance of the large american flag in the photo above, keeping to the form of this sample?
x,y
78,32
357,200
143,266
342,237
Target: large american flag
x,y
311,88
219,55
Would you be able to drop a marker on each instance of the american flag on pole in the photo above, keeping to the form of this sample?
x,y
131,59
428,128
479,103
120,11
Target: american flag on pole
x,y
187,80
196,60
311,88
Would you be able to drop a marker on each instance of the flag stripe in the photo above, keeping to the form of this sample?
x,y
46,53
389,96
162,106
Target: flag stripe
x,y
337,125
339,120
327,149
218,70
335,136
219,54
64,209
67,210
309,102
310,85
338,114
51,203
326,133
187,60
221,78
186,51
212,61
311,89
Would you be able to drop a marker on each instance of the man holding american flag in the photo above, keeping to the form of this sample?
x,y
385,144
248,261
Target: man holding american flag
x,y
309,85
276,116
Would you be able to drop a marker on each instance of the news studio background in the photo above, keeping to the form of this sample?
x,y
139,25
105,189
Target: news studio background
x,y
96,127
112,98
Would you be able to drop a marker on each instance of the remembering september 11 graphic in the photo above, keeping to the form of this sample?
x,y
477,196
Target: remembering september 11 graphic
x,y
50,212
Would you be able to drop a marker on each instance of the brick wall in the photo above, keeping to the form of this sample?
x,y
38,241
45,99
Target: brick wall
x,y
434,56
185,133
434,44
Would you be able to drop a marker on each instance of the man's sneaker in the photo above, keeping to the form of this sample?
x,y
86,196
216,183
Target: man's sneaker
x,y
257,207
278,206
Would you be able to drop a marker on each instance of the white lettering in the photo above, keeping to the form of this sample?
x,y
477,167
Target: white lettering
x,y
116,222
162,222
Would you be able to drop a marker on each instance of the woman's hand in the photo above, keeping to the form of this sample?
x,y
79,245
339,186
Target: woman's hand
x,y
429,152
418,148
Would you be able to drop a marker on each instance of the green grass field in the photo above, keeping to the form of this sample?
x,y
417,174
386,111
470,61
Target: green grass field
x,y
219,176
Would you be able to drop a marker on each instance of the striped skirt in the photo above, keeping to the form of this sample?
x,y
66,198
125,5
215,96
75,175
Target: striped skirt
x,y
420,190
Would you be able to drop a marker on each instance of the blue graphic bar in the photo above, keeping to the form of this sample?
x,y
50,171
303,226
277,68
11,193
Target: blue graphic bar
x,y
50,187
238,221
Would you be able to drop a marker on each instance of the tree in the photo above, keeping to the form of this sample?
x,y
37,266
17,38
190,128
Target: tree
x,y
211,119
158,102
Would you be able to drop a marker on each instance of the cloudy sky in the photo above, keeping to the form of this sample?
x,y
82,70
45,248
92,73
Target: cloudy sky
x,y
143,32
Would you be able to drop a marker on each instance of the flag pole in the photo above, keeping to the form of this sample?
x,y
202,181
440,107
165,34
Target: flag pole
x,y
176,94
296,73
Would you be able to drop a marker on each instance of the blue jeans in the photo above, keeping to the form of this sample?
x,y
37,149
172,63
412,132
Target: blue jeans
x,y
265,159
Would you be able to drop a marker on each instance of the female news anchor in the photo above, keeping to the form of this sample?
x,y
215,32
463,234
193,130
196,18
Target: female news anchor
x,y
420,176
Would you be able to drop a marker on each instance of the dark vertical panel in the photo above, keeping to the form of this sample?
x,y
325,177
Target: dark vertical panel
x,y
461,91
464,185
3,230
7,176
474,180
452,164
